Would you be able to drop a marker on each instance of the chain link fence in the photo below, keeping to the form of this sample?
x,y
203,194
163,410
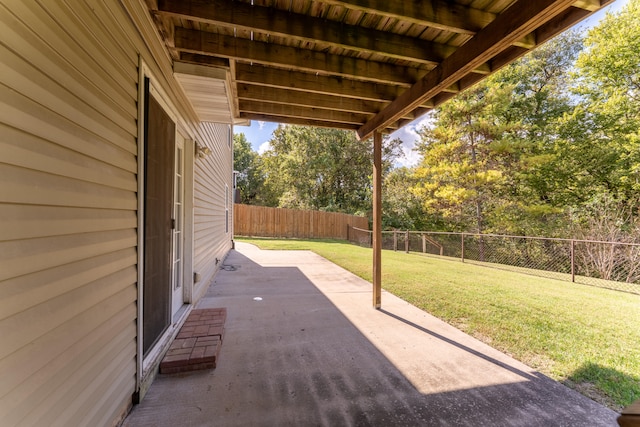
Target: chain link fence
x,y
609,265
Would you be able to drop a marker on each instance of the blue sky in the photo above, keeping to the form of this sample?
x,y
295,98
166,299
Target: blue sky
x,y
259,133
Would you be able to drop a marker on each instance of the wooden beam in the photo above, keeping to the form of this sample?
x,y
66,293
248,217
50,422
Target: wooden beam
x,y
205,43
307,28
565,20
313,83
212,61
200,70
523,17
311,113
310,83
377,219
165,26
296,121
590,5
547,31
276,95
233,88
316,100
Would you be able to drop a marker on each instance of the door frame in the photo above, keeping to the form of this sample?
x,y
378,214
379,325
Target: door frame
x,y
187,221
145,365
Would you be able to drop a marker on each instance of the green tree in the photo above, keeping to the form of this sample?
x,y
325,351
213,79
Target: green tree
x,y
489,158
246,162
322,169
604,130
402,206
461,171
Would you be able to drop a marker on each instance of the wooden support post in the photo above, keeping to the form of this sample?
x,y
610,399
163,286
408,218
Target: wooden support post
x,y
377,219
630,416
406,242
573,260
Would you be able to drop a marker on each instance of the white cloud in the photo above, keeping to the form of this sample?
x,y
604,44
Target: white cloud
x,y
264,147
261,124
409,136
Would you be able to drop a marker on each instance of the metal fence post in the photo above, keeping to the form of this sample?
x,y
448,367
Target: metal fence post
x,y
573,260
462,246
424,244
395,240
406,242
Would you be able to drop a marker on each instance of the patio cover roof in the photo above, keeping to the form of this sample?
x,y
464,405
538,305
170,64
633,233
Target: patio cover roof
x,y
365,65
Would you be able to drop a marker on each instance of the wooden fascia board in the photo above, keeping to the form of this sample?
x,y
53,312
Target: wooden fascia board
x,y
206,43
306,28
523,17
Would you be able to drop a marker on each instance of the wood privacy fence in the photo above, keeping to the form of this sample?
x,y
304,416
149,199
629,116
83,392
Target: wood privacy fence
x,y
249,220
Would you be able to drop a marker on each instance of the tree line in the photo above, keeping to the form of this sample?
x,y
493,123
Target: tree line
x,y
548,146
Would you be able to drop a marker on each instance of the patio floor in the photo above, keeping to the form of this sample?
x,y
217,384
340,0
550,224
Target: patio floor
x,y
314,352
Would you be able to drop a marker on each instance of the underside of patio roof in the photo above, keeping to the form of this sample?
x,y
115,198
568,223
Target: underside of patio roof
x,y
365,65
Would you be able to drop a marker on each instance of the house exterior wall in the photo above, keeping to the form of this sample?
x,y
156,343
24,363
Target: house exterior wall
x,y
211,237
69,206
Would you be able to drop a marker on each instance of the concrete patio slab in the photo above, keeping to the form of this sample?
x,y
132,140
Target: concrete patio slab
x,y
313,352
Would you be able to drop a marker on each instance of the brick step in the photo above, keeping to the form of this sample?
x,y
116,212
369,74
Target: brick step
x,y
197,345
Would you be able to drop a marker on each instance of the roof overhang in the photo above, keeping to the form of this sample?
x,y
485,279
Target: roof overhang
x,y
365,65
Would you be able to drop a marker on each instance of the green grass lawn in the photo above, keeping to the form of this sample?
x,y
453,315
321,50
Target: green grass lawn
x,y
586,337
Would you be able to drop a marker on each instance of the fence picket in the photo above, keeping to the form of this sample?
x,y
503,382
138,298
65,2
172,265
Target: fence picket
x,y
264,221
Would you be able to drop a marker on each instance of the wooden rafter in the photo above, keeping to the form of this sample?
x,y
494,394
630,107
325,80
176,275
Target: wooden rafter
x,y
206,43
441,14
310,29
312,83
315,84
284,110
590,5
316,100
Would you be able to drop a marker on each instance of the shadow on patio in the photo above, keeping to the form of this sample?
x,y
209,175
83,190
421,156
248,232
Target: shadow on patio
x,y
314,352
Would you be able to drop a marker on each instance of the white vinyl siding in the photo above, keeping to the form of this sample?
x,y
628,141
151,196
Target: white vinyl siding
x,y
68,207
67,217
211,240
